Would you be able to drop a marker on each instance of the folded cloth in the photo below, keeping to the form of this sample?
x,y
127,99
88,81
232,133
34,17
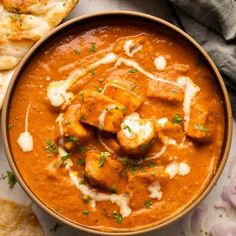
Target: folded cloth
x,y
212,23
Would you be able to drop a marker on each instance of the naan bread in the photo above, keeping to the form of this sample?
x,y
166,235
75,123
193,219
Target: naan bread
x,y
18,220
22,23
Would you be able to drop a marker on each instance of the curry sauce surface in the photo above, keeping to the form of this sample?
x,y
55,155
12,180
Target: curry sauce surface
x,y
79,49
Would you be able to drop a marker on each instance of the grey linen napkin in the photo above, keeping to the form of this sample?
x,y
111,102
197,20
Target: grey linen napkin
x,y
213,24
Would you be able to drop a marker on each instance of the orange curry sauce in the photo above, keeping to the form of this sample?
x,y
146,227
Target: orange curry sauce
x,y
169,133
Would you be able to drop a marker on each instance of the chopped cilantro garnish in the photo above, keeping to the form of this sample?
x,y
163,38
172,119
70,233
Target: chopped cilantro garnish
x,y
76,51
201,128
86,198
133,169
152,164
51,147
128,128
177,119
55,227
82,118
85,212
99,90
117,216
81,162
102,157
92,72
15,16
81,181
67,122
72,139
112,189
9,126
92,47
123,109
133,70
82,148
11,179
144,147
148,204
66,156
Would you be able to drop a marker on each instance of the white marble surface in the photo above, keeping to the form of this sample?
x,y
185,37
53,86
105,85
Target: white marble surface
x,y
158,8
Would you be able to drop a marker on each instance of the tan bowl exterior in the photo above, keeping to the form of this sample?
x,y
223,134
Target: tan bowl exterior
x,y
126,15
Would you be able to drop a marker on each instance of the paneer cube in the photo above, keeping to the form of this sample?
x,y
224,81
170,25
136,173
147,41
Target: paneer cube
x,y
101,111
120,91
72,126
147,175
165,91
168,132
198,127
101,170
147,181
135,134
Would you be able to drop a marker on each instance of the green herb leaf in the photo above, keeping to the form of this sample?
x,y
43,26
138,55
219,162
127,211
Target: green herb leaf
x,y
51,147
112,189
144,147
72,139
177,119
9,126
128,128
152,164
67,122
102,157
117,216
82,118
85,212
82,148
148,204
81,181
86,198
124,109
92,47
11,179
76,51
66,156
55,227
15,16
133,70
92,72
81,162
201,128
99,90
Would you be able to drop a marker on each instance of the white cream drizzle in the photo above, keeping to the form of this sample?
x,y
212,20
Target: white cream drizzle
x,y
162,122
25,139
60,119
155,190
154,156
103,144
175,168
160,63
135,65
191,90
121,200
131,52
57,90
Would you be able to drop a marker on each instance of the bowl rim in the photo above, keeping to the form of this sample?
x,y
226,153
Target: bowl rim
x,y
155,20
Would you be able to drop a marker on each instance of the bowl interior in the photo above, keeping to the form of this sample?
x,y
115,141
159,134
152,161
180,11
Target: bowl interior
x,y
112,18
